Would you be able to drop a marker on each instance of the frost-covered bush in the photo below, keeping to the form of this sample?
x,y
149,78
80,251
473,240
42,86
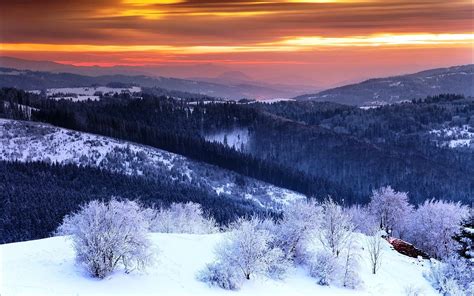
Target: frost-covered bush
x,y
435,223
109,234
300,222
412,290
392,210
374,244
363,220
453,276
350,268
246,251
324,268
182,218
220,275
336,227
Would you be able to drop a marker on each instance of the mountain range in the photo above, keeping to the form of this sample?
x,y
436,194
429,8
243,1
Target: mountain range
x,y
454,80
219,83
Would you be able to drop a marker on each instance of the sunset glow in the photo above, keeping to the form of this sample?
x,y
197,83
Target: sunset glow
x,y
132,32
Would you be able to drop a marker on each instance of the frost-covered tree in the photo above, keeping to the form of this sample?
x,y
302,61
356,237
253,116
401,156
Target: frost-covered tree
x,y
182,218
364,221
392,210
300,221
245,252
435,223
350,268
453,276
248,248
109,234
336,227
374,244
221,275
324,267
466,237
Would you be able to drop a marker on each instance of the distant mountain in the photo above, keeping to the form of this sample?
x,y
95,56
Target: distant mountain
x,y
33,80
456,80
152,70
235,77
260,89
223,83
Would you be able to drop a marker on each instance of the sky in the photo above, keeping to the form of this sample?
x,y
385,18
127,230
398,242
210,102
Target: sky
x,y
285,41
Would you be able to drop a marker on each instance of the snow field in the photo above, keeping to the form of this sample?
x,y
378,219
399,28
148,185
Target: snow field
x,y
46,267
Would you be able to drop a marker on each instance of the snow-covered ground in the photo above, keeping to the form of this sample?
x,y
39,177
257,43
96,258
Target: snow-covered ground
x,y
46,267
78,94
455,137
32,141
237,138
272,101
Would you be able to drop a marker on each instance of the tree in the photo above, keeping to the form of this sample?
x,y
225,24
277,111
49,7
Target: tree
x,y
300,221
182,218
106,234
466,237
351,277
435,223
324,268
221,275
453,276
245,252
336,227
374,244
392,209
364,221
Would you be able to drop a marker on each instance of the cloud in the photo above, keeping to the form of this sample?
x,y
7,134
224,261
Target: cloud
x,y
293,38
225,23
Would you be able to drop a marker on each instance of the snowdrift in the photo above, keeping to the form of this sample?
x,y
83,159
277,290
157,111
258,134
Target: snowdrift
x,y
47,267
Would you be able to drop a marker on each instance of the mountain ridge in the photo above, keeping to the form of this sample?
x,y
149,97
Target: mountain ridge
x,y
377,91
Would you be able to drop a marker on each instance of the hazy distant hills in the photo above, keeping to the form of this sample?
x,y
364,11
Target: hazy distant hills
x,y
259,88
226,84
456,80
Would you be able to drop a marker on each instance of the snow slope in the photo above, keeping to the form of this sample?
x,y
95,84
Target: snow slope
x,y
46,267
455,137
78,94
237,138
32,141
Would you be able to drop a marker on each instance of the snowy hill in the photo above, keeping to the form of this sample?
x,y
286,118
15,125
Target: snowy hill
x,y
46,267
456,80
31,141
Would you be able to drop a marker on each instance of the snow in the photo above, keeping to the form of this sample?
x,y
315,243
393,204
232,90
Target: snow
x,y
78,94
40,142
11,72
30,141
394,84
272,101
236,138
455,137
46,267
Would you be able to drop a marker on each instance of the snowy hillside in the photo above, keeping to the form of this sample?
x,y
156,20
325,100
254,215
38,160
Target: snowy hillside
x,y
374,92
455,137
46,267
78,94
237,138
30,141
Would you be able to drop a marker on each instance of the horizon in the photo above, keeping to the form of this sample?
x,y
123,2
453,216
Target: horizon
x,y
135,71
313,43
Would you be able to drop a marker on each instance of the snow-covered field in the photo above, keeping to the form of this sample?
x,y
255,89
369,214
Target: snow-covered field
x,y
46,267
272,101
31,141
78,94
455,137
237,138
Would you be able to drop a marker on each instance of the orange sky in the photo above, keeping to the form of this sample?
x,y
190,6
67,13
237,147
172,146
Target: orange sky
x,y
297,41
